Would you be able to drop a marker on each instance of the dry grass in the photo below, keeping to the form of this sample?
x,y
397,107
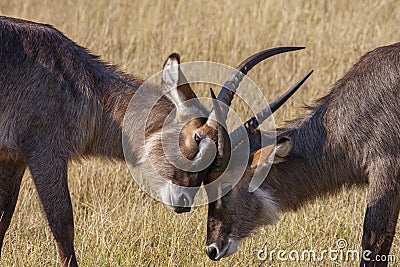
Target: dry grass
x,y
116,224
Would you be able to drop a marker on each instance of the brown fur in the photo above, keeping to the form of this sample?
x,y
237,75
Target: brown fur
x,y
58,102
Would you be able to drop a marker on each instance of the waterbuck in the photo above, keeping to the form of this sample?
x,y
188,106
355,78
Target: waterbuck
x,y
58,102
350,137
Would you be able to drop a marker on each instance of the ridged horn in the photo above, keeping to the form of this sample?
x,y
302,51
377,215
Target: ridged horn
x,y
232,83
252,124
217,121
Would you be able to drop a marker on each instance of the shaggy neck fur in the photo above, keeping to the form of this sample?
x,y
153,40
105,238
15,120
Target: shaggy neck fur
x,y
315,166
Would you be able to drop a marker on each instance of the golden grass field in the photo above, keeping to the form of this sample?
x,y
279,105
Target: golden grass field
x,y
116,223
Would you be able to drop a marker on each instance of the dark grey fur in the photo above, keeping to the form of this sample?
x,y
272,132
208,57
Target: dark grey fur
x,y
351,137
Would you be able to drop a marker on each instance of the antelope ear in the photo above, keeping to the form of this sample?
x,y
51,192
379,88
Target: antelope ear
x,y
170,74
283,147
175,83
264,156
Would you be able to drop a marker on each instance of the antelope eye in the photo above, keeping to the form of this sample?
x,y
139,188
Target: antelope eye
x,y
197,138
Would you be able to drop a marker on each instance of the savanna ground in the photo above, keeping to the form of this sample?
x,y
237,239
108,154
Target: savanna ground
x,y
116,223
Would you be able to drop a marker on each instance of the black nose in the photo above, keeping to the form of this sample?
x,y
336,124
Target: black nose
x,y
183,204
183,201
181,209
212,252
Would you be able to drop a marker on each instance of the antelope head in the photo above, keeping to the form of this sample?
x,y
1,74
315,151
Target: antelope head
x,y
240,209
203,139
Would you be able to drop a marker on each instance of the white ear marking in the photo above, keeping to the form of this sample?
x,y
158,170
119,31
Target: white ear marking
x,y
178,88
283,147
170,78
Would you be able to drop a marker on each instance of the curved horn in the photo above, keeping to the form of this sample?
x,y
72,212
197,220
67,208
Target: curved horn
x,y
232,83
216,113
252,124
222,158
216,121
